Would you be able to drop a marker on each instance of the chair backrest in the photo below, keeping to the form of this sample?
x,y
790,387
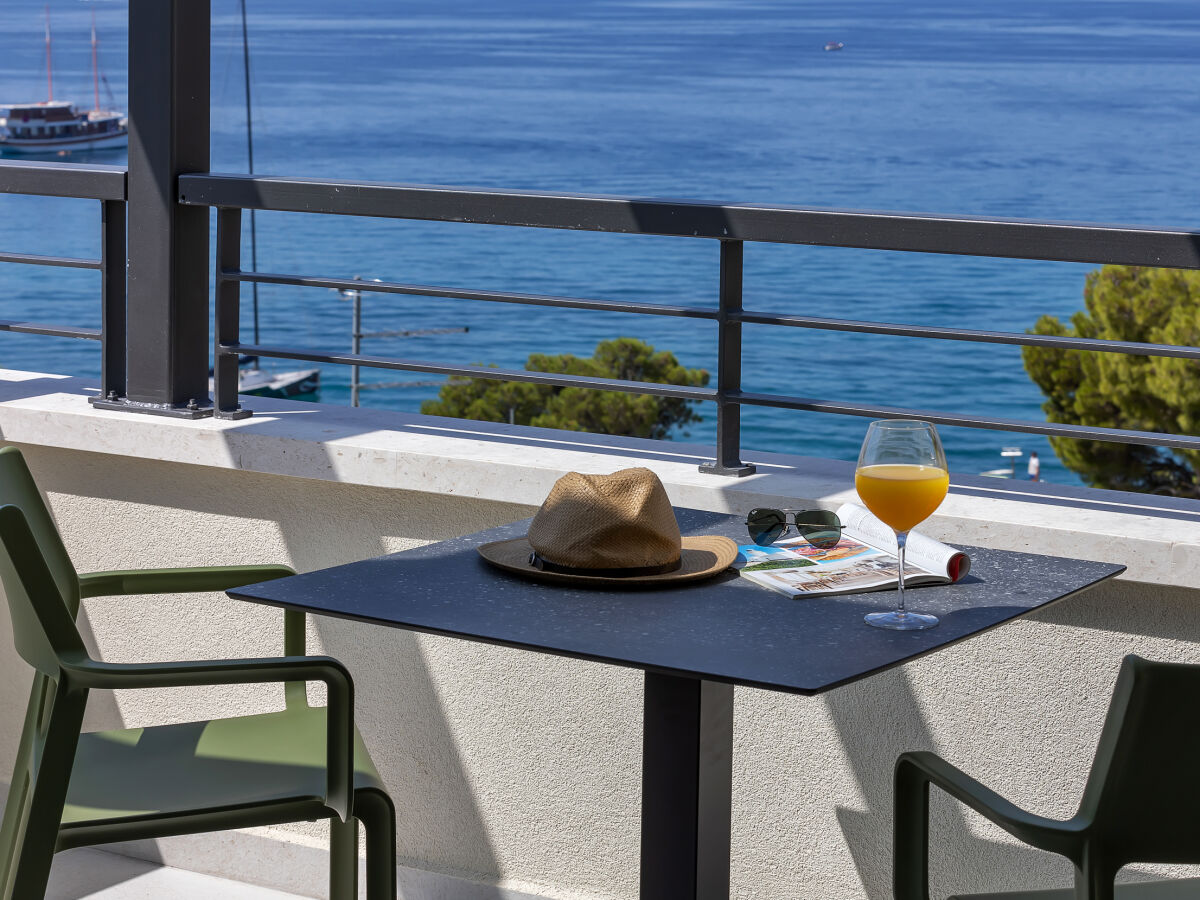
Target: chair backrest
x,y
1143,794
18,488
40,583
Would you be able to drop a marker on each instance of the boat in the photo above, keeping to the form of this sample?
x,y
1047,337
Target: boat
x,y
834,45
266,383
56,126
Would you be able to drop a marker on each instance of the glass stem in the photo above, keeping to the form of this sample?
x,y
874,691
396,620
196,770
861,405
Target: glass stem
x,y
901,540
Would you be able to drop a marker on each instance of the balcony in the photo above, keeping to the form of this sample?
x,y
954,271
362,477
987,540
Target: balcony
x,y
516,773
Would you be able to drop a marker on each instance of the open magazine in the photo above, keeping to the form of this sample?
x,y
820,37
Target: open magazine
x,y
863,560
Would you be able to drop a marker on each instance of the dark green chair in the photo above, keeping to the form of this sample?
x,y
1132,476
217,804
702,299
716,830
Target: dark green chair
x,y
1141,803
71,789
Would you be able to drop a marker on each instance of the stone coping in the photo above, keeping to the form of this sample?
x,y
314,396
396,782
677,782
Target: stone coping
x,y
1157,538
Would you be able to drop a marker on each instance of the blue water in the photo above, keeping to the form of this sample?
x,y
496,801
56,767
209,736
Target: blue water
x,y
1057,109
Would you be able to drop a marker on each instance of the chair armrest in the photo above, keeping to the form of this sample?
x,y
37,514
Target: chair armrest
x,y
914,773
203,578
176,581
85,672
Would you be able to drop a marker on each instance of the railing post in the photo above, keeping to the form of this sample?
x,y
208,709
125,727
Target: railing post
x,y
228,315
112,293
167,343
729,367
356,348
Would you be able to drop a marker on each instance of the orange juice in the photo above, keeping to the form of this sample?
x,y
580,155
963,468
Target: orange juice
x,y
902,495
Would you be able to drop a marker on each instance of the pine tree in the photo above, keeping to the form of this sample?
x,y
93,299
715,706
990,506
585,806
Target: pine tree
x,y
580,409
1116,390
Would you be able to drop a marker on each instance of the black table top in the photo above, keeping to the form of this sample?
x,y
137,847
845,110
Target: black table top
x,y
725,629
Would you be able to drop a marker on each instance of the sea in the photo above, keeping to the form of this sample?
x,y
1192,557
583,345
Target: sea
x,y
1084,110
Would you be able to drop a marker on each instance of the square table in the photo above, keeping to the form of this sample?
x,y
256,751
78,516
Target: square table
x,y
694,642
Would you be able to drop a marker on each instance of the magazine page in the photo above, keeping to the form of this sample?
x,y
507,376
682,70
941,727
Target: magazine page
x,y
796,568
925,552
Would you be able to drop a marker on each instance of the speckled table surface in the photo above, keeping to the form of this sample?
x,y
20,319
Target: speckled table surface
x,y
725,629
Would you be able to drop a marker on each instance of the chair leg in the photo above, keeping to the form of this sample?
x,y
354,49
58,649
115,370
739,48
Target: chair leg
x,y
378,816
910,833
343,859
47,795
12,830
12,826
1094,879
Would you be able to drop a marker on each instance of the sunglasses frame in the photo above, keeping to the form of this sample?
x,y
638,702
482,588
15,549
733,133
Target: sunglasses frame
x,y
797,524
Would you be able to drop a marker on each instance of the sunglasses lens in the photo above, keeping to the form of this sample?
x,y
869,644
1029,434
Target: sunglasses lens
x,y
820,527
765,525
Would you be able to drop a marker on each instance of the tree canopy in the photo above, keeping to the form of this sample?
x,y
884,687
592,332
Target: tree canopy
x,y
1115,390
580,409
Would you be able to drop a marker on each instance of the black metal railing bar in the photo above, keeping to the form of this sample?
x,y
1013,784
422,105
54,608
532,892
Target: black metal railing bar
x,y
66,262
67,331
682,392
1054,429
48,179
748,317
392,287
935,332
958,235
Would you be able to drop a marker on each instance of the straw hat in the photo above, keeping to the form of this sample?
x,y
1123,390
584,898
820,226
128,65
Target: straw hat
x,y
610,531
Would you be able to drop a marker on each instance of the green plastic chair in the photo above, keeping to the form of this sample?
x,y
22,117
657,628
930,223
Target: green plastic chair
x,y
1141,803
71,789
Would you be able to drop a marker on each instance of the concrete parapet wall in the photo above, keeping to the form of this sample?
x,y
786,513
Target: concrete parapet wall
x,y
517,774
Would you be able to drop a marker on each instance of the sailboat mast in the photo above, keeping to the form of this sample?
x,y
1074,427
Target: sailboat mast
x,y
95,64
49,68
250,163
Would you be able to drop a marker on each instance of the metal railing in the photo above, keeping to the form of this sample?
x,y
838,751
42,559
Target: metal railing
x,y
106,184
730,226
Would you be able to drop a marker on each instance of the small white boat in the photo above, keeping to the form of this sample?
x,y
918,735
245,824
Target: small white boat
x,y
834,45
265,383
268,383
56,126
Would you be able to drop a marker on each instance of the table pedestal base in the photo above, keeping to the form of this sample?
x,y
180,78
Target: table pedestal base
x,y
687,783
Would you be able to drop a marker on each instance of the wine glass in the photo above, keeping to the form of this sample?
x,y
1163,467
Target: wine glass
x,y
902,478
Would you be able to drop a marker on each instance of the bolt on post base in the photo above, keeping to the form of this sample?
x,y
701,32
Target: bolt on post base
x,y
190,410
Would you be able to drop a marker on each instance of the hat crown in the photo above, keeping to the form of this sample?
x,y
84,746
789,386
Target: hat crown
x,y
617,521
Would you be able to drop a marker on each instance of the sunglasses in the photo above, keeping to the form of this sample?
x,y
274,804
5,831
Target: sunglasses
x,y
820,527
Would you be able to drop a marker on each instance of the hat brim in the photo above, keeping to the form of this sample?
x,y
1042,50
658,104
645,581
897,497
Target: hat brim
x,y
701,557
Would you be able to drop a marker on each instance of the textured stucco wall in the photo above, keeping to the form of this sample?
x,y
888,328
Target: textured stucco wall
x,y
520,769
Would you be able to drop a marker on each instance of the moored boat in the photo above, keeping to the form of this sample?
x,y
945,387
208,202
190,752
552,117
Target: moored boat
x,y
56,126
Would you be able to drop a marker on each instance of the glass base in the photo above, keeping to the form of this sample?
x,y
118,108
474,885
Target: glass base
x,y
901,621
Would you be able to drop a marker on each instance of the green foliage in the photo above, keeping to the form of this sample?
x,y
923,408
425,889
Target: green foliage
x,y
580,409
1114,390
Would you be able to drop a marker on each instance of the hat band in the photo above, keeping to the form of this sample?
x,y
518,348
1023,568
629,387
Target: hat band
x,y
540,562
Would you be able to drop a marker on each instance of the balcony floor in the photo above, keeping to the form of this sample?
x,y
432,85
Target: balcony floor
x,y
87,874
